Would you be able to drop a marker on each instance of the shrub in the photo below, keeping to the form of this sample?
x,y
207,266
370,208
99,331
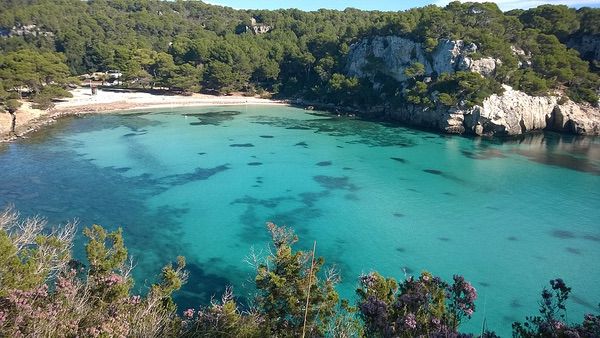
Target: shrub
x,y
291,295
466,88
44,293
423,306
552,321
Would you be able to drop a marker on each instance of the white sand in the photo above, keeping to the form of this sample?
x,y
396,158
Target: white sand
x,y
82,98
82,102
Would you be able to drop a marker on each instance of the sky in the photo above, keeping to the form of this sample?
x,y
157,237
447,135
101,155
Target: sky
x,y
385,5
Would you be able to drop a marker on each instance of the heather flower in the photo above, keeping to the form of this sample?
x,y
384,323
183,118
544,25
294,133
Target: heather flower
x,y
463,296
557,324
113,279
375,313
66,286
135,299
410,322
368,280
189,313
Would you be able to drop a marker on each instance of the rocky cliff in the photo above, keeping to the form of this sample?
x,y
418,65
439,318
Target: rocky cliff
x,y
511,113
395,54
515,112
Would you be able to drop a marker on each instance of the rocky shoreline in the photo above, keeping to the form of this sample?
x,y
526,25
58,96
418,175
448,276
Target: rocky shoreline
x,y
511,113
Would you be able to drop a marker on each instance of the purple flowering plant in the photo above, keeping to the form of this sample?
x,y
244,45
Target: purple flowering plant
x,y
552,320
423,306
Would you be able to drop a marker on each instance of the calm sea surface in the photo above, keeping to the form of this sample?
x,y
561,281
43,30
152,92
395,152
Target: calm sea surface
x,y
203,182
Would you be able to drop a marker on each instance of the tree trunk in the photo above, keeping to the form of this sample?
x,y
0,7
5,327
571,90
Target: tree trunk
x,y
13,122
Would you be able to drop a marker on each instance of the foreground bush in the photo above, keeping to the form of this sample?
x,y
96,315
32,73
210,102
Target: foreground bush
x,y
426,306
45,293
552,321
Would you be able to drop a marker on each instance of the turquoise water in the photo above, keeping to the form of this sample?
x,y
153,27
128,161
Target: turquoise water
x,y
203,182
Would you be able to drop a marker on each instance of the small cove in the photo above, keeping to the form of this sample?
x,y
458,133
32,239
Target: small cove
x,y
202,183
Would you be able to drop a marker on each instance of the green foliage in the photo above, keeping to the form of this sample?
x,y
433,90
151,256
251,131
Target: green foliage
x,y
380,287
286,281
223,319
189,45
590,20
415,70
466,88
529,82
172,279
342,88
583,94
29,257
447,100
41,75
44,98
16,270
32,69
185,77
43,293
418,94
106,251
107,256
558,20
220,77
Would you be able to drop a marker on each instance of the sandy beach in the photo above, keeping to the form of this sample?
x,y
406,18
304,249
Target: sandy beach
x,y
82,102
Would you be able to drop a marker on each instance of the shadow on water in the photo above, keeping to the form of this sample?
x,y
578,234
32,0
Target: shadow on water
x,y
302,211
212,118
70,185
259,211
445,175
333,183
580,153
362,131
202,285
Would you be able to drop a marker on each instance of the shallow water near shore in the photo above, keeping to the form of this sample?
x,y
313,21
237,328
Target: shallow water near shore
x,y
202,183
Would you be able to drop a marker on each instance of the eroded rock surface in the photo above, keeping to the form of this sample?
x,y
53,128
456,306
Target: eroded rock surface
x,y
511,113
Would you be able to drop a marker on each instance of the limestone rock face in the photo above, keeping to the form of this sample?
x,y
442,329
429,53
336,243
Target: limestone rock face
x,y
439,118
484,66
393,54
515,112
576,119
511,113
450,56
